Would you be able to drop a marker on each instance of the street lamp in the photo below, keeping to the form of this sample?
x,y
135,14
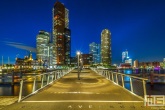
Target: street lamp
x,y
78,53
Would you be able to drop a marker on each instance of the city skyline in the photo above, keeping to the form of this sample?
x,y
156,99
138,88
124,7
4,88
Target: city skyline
x,y
135,25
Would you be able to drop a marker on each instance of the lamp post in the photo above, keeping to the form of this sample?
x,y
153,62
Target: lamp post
x,y
78,53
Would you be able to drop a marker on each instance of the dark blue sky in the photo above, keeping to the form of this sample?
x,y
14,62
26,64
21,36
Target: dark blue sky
x,y
136,25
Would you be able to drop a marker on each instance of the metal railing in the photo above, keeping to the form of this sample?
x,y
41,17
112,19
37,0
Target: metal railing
x,y
135,85
40,81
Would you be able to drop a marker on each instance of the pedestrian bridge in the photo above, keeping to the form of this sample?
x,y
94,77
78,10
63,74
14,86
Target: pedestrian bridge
x,y
96,90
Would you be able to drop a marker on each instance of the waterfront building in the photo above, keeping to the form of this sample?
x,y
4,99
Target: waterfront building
x,y
136,64
24,63
73,61
162,64
43,39
125,65
124,56
129,60
106,57
95,52
86,59
61,35
152,65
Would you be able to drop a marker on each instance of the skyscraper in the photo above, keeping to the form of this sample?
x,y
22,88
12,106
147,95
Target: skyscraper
x,y
106,57
95,51
124,56
61,34
43,39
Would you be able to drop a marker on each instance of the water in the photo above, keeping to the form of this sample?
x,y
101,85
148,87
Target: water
x,y
9,90
157,89
6,89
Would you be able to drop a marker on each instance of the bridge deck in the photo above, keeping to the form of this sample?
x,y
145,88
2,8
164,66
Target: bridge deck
x,y
92,92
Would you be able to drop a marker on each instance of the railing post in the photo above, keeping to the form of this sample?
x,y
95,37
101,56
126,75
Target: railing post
x,y
112,76
107,74
61,73
57,74
122,80
20,91
54,75
131,84
116,79
48,78
144,87
34,85
42,80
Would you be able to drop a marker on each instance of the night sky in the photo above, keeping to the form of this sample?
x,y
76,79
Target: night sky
x,y
135,25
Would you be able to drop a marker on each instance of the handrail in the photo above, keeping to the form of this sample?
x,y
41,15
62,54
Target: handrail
x,y
113,76
131,76
55,75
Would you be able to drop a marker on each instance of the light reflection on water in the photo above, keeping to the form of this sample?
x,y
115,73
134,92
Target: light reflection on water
x,y
127,79
13,90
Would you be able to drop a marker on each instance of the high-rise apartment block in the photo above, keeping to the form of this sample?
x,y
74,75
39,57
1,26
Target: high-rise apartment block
x,y
43,39
106,57
95,51
124,56
61,34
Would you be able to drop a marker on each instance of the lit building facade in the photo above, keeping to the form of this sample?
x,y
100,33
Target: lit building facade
x,y
95,52
154,64
43,39
50,61
136,64
129,60
61,35
86,59
124,56
106,55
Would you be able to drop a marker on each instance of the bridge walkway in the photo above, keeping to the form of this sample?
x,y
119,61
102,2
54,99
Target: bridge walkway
x,y
91,92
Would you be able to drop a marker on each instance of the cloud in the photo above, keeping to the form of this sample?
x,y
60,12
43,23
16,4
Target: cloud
x,y
20,46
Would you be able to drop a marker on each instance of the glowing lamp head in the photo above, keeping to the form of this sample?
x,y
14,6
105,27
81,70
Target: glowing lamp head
x,y
78,53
